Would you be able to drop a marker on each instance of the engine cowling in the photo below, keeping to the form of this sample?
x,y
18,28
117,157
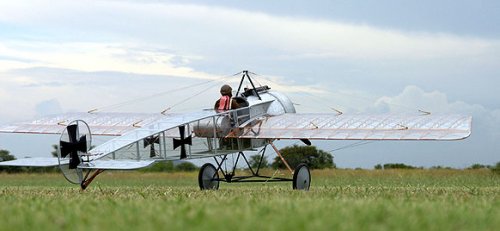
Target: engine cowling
x,y
281,104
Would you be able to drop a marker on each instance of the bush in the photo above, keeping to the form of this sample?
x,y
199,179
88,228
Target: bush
x,y
496,168
440,167
186,167
254,162
164,166
478,166
398,166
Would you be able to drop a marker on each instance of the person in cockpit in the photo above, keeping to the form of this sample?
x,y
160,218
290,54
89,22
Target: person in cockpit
x,y
226,101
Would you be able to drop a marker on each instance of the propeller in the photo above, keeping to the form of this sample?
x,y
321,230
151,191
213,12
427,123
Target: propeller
x,y
151,141
73,146
182,142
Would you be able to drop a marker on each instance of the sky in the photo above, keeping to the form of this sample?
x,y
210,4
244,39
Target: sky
x,y
355,56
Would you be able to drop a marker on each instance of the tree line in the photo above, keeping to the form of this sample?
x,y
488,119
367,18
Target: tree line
x,y
294,155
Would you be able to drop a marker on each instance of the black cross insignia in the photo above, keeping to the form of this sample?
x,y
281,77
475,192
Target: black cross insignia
x,y
182,142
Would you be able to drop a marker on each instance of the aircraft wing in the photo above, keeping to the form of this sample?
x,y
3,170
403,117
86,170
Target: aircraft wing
x,y
34,162
116,164
108,124
96,164
359,127
167,124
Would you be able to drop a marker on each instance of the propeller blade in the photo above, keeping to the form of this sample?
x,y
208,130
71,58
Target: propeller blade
x,y
72,132
74,161
183,152
82,144
74,146
65,148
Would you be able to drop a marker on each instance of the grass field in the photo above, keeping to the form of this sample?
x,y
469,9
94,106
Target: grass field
x,y
338,200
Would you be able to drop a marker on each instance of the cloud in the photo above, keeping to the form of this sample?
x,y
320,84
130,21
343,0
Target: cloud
x,y
48,107
200,28
91,57
486,122
481,147
413,98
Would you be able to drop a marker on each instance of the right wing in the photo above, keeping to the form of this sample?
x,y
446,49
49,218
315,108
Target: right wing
x,y
359,127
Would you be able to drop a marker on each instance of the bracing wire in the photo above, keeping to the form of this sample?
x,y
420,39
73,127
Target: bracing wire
x,y
190,97
356,144
141,99
352,96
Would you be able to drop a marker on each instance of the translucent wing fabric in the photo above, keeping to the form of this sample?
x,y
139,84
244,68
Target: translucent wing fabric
x,y
359,127
110,124
34,162
169,124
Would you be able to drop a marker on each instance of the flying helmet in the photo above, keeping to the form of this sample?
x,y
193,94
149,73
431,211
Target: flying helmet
x,y
226,90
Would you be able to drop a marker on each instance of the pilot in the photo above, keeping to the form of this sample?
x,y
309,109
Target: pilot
x,y
226,102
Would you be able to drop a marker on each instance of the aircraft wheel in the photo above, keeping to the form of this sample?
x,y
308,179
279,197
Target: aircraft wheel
x,y
208,177
302,177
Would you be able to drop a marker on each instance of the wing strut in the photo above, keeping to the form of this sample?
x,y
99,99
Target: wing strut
x,y
282,159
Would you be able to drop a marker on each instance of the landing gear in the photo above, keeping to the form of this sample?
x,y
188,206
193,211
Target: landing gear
x,y
302,177
208,177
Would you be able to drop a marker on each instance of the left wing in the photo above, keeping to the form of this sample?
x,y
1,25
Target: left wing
x,y
136,136
359,127
108,124
97,164
34,162
116,164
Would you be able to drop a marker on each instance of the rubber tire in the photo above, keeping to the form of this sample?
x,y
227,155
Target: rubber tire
x,y
208,177
301,177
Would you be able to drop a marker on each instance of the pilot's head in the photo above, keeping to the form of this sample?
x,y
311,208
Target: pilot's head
x,y
226,90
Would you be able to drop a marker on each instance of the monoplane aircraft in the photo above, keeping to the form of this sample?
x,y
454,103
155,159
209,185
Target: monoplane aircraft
x,y
264,117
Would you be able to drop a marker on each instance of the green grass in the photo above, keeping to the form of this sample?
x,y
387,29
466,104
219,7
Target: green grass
x,y
338,200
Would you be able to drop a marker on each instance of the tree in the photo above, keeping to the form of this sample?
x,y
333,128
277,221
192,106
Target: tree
x,y
55,148
313,157
254,162
5,155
